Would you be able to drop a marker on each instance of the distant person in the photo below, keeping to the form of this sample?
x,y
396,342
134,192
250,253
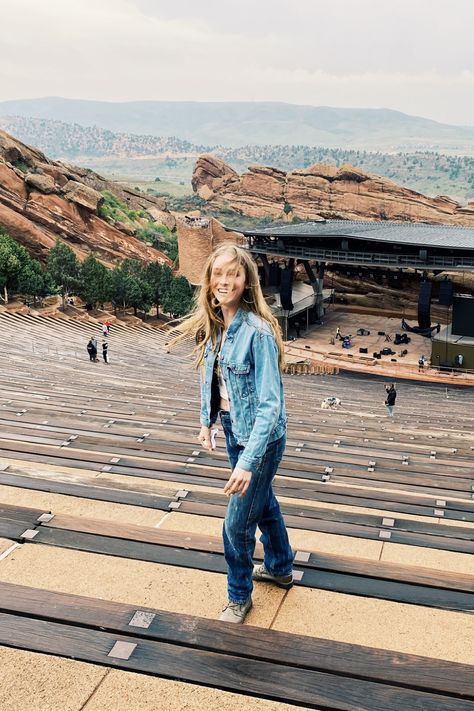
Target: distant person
x,y
105,330
338,334
390,399
105,348
421,363
92,349
298,329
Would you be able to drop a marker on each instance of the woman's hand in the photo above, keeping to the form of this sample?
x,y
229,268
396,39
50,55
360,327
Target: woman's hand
x,y
205,439
238,483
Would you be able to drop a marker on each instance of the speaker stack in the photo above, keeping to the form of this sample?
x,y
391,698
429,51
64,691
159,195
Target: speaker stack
x,y
463,315
285,288
424,304
446,292
274,274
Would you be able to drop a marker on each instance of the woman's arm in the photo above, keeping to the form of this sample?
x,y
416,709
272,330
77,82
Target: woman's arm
x,y
268,390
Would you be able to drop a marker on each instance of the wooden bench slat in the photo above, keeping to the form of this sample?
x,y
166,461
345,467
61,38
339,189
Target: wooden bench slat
x,y
127,542
350,660
194,541
251,676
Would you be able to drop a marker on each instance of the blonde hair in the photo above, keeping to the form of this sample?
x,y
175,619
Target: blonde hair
x,y
205,322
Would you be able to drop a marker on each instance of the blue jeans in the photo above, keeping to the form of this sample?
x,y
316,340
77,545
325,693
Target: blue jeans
x,y
391,410
258,507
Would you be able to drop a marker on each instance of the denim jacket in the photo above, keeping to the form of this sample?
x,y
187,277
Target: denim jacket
x,y
249,365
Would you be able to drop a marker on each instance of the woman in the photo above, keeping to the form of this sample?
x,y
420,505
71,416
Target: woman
x,y
239,351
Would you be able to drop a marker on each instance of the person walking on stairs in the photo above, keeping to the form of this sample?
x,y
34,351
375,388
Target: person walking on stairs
x,y
239,352
92,349
105,350
390,400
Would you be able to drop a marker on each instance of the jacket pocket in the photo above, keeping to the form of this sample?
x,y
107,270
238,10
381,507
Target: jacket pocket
x,y
240,382
240,368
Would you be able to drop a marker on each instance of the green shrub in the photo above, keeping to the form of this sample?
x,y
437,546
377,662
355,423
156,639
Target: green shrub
x,y
21,165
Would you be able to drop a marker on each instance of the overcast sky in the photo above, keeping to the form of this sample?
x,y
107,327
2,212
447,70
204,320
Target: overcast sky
x,y
415,56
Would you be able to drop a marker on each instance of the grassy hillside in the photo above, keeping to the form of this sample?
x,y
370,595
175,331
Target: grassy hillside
x,y
240,123
141,159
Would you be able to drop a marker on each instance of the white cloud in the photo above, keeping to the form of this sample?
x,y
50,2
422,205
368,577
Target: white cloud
x,y
340,53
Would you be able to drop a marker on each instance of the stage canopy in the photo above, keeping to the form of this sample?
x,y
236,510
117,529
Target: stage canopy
x,y
384,244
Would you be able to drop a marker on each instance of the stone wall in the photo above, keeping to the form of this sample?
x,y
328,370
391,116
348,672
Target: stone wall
x,y
195,244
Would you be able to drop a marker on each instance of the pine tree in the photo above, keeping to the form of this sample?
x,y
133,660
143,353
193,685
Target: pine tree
x,y
95,282
130,286
64,269
153,275
179,298
35,281
13,258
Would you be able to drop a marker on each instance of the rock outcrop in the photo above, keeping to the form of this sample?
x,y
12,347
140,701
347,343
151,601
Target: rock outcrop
x,y
320,191
43,183
41,200
83,195
162,217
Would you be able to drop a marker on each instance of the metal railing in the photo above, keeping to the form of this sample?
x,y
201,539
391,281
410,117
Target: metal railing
x,y
364,258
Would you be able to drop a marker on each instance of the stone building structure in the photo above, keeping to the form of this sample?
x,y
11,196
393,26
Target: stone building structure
x,y
197,238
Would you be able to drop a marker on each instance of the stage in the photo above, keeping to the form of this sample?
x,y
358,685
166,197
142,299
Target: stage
x,y
315,344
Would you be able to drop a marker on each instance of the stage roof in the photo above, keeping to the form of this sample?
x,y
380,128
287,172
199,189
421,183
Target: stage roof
x,y
408,233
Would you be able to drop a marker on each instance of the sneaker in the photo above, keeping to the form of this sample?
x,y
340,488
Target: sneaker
x,y
261,574
233,612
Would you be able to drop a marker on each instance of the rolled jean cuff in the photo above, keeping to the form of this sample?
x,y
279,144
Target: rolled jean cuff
x,y
240,602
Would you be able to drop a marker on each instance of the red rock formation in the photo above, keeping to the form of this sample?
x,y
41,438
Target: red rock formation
x,y
41,200
320,191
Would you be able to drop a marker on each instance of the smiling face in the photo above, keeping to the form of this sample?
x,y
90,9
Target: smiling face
x,y
227,281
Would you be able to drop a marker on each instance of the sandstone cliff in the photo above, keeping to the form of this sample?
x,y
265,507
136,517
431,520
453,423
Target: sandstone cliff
x,y
41,200
320,191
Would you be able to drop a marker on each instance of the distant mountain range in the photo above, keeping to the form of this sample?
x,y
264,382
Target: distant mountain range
x,y
145,157
237,124
72,141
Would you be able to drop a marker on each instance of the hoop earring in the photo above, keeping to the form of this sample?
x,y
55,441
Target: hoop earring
x,y
214,302
245,300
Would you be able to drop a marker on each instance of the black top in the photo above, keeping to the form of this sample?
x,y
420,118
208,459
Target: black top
x,y
391,397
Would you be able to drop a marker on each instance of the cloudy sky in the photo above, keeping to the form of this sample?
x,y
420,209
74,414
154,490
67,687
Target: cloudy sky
x,y
415,56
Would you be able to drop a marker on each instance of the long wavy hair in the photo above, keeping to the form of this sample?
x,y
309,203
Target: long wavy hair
x,y
205,321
